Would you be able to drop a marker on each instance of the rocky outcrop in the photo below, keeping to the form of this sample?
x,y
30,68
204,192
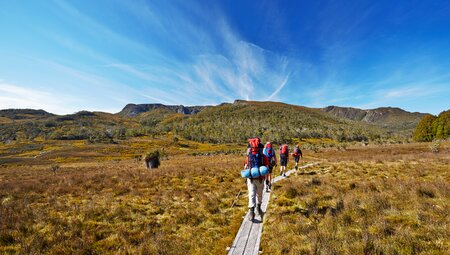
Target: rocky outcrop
x,y
383,116
131,110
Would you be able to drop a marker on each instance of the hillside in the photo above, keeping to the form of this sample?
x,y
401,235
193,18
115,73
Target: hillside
x,y
227,122
391,118
91,126
273,121
131,110
14,115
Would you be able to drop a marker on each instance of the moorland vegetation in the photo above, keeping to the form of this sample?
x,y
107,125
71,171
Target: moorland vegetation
x,y
386,200
76,184
223,123
83,198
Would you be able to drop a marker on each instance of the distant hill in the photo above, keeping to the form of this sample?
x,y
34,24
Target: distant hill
x,y
10,115
227,122
131,110
272,121
83,125
391,118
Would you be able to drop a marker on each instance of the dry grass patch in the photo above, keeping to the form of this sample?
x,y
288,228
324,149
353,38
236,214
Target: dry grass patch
x,y
120,208
391,206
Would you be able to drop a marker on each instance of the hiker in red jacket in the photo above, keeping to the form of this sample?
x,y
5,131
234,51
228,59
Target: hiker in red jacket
x,y
284,157
297,154
255,158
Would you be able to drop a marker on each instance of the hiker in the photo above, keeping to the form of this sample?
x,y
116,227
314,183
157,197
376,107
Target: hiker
x,y
284,156
297,154
269,152
255,158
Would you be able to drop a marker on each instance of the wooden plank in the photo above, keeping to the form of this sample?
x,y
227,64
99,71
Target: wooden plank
x,y
251,241
279,178
258,231
248,238
240,241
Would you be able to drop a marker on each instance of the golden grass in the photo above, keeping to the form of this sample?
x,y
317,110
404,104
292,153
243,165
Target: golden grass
x,y
119,207
391,200
374,199
4,120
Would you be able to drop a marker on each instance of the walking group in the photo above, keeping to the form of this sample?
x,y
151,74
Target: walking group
x,y
260,162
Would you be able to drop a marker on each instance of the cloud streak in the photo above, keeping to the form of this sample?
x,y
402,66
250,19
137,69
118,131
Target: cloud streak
x,y
193,53
13,96
279,88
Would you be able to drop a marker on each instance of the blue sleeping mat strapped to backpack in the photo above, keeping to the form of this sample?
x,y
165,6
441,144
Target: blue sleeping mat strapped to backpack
x,y
263,170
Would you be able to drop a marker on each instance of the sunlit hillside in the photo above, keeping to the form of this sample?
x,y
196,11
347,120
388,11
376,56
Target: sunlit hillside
x,y
223,123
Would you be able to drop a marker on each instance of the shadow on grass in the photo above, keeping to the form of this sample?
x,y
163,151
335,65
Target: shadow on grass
x,y
308,173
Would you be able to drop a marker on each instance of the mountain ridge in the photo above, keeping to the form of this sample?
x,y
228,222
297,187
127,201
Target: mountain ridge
x,y
132,110
390,117
226,122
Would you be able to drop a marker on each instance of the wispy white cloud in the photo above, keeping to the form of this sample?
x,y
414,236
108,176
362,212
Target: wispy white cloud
x,y
179,53
14,96
241,70
225,67
403,92
97,30
398,96
204,61
413,91
279,88
133,71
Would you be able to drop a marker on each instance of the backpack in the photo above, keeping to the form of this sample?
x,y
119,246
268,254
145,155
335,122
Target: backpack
x,y
270,154
296,150
284,149
255,157
268,150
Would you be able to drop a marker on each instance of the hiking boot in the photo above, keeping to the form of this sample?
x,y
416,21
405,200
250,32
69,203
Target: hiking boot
x,y
296,167
260,212
251,214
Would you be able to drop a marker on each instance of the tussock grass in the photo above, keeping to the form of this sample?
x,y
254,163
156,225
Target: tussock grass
x,y
396,204
121,208
373,199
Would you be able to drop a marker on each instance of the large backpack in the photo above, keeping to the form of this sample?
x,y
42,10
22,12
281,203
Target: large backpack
x,y
255,157
297,150
268,151
284,149
270,154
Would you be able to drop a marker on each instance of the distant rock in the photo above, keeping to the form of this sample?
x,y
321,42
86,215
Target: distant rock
x,y
131,110
389,117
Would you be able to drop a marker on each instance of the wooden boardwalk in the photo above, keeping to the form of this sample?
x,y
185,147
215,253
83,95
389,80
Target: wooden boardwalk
x,y
248,238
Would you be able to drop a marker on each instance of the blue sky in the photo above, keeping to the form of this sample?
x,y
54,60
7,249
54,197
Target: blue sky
x,y
66,56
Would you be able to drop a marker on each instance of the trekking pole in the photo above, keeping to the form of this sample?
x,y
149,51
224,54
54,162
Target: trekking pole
x,y
235,199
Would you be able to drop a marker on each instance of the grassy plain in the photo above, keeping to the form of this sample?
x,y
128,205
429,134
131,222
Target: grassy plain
x,y
372,199
102,200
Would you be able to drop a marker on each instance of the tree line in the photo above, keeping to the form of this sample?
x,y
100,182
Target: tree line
x,y
433,127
